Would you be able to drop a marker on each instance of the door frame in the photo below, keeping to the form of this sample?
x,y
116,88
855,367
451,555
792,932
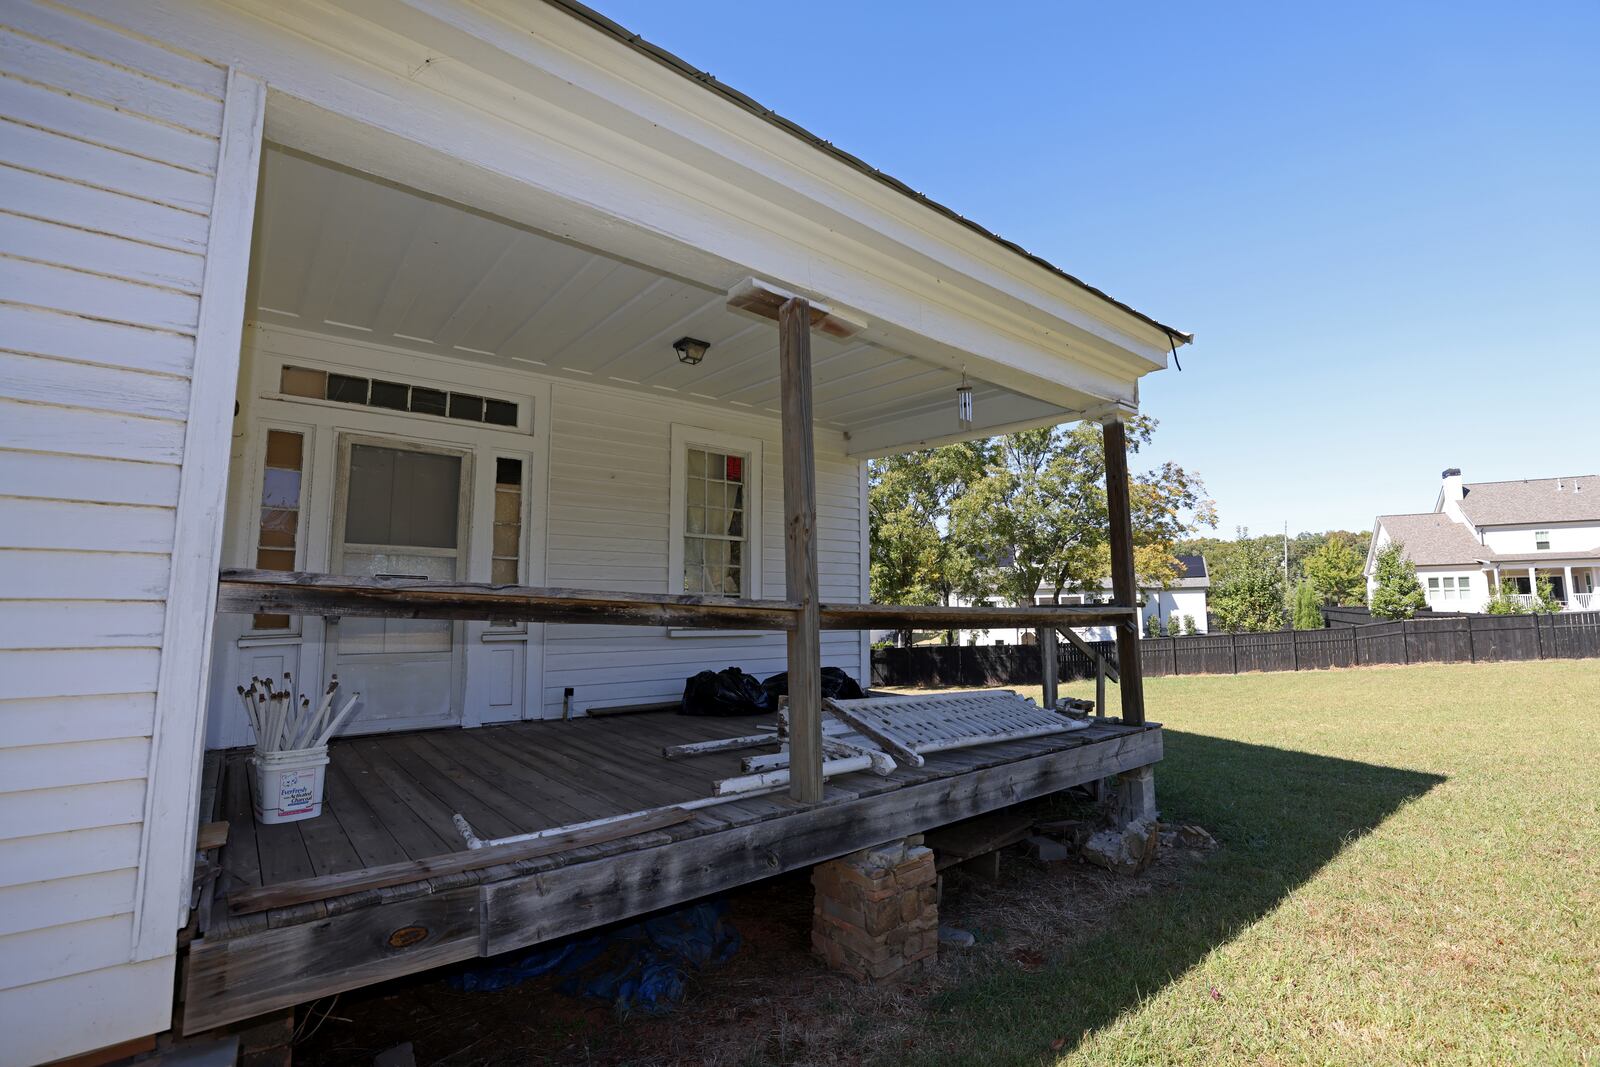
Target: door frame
x,y
344,443
267,347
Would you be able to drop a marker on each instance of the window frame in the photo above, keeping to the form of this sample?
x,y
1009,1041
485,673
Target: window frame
x,y
1541,540
684,438
264,428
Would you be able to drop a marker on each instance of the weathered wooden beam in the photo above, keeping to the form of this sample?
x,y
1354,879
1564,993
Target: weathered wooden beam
x,y
1094,656
1049,666
300,593
328,886
1124,580
766,301
800,552
906,616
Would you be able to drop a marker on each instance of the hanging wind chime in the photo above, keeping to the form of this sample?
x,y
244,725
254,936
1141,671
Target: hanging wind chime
x,y
964,403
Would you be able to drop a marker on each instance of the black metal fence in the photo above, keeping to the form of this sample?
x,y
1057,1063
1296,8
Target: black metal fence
x,y
1425,639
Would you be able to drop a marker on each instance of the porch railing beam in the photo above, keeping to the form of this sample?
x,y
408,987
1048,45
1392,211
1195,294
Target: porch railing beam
x,y
800,552
293,593
1124,582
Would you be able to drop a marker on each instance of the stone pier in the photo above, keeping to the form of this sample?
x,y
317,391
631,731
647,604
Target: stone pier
x,y
876,916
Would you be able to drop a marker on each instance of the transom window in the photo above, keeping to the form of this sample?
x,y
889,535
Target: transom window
x,y
714,540
396,396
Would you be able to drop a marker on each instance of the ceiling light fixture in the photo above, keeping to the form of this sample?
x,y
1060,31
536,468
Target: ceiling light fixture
x,y
690,350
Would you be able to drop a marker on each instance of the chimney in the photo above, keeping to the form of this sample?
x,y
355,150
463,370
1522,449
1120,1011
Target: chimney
x,y
1452,483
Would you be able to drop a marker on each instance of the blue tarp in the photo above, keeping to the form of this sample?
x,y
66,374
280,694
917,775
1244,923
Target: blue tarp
x,y
639,967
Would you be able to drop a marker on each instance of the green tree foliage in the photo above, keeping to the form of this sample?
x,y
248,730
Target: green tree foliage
x,y
1152,626
1189,628
1037,519
1302,547
1397,595
1505,602
914,557
1247,587
1307,607
1545,601
1335,569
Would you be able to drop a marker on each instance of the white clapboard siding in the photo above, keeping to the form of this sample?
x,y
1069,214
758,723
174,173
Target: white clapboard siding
x,y
74,763
138,137
36,905
87,250
91,527
46,285
51,64
46,196
44,857
55,720
57,951
106,168
41,332
609,522
76,672
108,147
27,575
35,812
55,477
80,624
82,432
54,381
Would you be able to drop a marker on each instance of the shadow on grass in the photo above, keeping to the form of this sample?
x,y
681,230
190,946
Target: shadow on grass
x,y
1279,815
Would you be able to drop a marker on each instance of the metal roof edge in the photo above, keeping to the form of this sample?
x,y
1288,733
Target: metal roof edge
x,y
589,15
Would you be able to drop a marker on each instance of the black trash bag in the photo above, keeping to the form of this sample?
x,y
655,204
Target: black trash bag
x,y
836,685
726,692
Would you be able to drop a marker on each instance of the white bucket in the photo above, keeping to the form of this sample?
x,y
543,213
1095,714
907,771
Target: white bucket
x,y
288,785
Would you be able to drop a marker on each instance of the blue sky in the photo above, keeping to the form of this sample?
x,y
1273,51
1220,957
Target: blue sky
x,y
1381,221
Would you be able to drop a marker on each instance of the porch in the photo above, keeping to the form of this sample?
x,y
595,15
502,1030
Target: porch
x,y
1574,583
390,800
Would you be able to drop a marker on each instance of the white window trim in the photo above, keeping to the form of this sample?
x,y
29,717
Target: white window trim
x,y
684,437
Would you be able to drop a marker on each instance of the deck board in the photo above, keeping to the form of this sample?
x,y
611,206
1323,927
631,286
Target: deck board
x,y
392,797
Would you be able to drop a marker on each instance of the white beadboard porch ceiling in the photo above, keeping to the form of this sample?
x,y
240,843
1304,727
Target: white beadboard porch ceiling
x,y
347,255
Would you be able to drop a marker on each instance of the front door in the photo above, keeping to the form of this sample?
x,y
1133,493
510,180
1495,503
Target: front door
x,y
400,512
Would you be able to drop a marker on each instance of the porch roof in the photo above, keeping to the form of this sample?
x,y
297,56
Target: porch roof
x,y
346,255
710,82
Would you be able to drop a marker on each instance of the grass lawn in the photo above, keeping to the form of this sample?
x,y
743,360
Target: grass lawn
x,y
1409,873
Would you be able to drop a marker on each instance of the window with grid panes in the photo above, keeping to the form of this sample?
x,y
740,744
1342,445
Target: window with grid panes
x,y
715,536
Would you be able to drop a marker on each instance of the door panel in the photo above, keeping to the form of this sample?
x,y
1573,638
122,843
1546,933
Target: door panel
x,y
402,513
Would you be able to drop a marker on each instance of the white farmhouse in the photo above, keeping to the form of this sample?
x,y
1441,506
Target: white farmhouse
x,y
512,370
1481,535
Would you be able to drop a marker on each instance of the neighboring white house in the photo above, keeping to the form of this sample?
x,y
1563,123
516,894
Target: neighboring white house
x,y
1482,535
393,290
1184,597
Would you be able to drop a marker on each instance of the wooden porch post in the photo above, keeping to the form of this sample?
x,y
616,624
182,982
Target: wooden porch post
x,y
1124,582
800,552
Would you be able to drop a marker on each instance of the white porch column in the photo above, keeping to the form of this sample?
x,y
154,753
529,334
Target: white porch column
x,y
1533,581
1566,588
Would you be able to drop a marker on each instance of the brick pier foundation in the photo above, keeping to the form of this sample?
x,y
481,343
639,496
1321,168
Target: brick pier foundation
x,y
876,916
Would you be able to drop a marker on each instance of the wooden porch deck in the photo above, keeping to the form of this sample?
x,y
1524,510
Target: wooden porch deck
x,y
391,798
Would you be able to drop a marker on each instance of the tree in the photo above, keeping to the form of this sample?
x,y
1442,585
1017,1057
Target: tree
x,y
1335,571
1505,602
1545,601
1397,595
1037,519
1189,628
1247,591
1307,607
1152,626
915,559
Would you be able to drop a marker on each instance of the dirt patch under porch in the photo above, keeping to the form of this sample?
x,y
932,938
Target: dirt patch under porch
x,y
774,1002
